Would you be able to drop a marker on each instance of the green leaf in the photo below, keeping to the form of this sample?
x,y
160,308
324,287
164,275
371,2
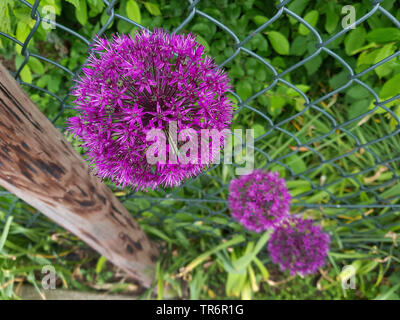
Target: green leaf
x,y
357,108
293,93
313,65
259,130
299,46
201,258
367,58
383,35
43,81
4,234
260,74
22,31
81,12
26,74
297,6
332,17
133,11
262,268
312,18
243,262
5,21
392,192
244,89
54,84
100,263
383,53
388,295
279,42
358,92
36,65
296,164
260,20
354,40
153,8
75,3
390,88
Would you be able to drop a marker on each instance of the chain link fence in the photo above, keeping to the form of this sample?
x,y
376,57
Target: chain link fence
x,y
199,206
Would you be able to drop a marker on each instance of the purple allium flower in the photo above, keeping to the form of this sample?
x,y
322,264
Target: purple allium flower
x,y
259,200
131,86
299,246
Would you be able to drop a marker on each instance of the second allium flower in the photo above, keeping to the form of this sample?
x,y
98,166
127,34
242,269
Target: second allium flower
x,y
259,200
131,86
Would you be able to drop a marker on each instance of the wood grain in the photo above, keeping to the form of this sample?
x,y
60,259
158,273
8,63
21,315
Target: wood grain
x,y
39,166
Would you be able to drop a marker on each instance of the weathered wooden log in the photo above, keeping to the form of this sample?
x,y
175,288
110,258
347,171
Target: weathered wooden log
x,y
39,166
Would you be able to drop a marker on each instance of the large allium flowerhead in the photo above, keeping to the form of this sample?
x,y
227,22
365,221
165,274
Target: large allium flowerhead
x,y
299,246
259,200
131,86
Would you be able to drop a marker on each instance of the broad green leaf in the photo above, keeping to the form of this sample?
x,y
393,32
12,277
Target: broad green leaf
x,y
260,74
332,17
5,21
153,8
297,6
357,108
36,65
299,46
260,20
276,102
133,11
312,18
22,31
313,65
296,164
279,42
95,7
382,35
54,84
383,53
81,12
43,81
367,58
293,93
354,40
244,89
26,74
259,130
358,92
75,3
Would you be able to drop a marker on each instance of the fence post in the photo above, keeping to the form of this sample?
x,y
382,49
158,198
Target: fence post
x,y
39,166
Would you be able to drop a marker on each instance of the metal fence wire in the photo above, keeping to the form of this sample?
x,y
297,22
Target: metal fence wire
x,y
199,206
